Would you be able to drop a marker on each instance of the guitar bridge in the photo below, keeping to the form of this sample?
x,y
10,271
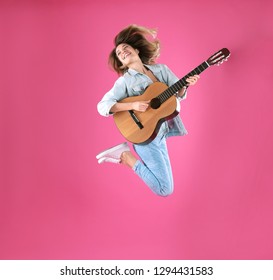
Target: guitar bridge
x,y
136,120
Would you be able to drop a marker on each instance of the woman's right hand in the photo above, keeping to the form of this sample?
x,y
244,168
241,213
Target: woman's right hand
x,y
140,106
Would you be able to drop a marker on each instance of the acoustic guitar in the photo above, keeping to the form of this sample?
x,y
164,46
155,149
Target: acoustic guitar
x,y
142,127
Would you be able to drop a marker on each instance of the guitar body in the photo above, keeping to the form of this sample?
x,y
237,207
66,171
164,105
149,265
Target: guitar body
x,y
151,119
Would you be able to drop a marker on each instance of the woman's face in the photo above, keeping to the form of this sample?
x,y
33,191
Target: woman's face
x,y
126,54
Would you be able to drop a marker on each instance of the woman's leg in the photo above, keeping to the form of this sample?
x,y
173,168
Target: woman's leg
x,y
155,168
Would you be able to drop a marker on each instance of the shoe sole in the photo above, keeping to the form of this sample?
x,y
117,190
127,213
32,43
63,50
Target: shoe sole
x,y
112,150
103,159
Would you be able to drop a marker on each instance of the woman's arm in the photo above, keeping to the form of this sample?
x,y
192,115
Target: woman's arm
x,y
140,106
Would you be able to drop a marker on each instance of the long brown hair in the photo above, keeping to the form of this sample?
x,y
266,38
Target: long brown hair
x,y
137,37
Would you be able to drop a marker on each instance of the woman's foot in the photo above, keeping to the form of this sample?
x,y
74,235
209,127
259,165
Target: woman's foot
x,y
113,154
127,158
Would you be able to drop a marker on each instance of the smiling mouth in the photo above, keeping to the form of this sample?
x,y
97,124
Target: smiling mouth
x,y
125,55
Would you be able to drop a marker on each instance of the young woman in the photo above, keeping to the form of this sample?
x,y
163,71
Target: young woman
x,y
133,58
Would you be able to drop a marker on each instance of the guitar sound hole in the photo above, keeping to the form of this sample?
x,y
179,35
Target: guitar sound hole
x,y
155,103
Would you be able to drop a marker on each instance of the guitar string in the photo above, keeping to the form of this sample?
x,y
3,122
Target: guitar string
x,y
182,82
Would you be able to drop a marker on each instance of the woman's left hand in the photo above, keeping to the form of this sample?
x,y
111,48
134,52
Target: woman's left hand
x,y
192,80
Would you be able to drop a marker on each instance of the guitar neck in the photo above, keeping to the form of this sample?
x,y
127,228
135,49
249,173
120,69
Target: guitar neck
x,y
181,83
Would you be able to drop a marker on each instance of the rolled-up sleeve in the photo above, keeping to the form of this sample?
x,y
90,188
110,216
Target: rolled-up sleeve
x,y
171,79
117,93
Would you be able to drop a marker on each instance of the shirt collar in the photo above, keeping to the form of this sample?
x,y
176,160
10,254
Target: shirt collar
x,y
150,67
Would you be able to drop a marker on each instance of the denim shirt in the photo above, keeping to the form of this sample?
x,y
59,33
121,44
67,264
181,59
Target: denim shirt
x,y
133,83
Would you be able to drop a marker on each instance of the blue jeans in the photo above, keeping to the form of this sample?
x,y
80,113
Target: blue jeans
x,y
155,168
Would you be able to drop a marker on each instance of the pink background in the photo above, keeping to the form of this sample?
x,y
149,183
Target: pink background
x,y
56,202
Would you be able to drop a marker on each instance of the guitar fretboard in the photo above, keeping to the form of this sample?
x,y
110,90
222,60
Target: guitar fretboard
x,y
181,83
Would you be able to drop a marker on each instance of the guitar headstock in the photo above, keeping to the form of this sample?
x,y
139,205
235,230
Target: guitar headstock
x,y
219,57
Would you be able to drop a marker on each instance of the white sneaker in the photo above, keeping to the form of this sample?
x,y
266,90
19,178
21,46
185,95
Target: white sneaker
x,y
108,159
113,154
